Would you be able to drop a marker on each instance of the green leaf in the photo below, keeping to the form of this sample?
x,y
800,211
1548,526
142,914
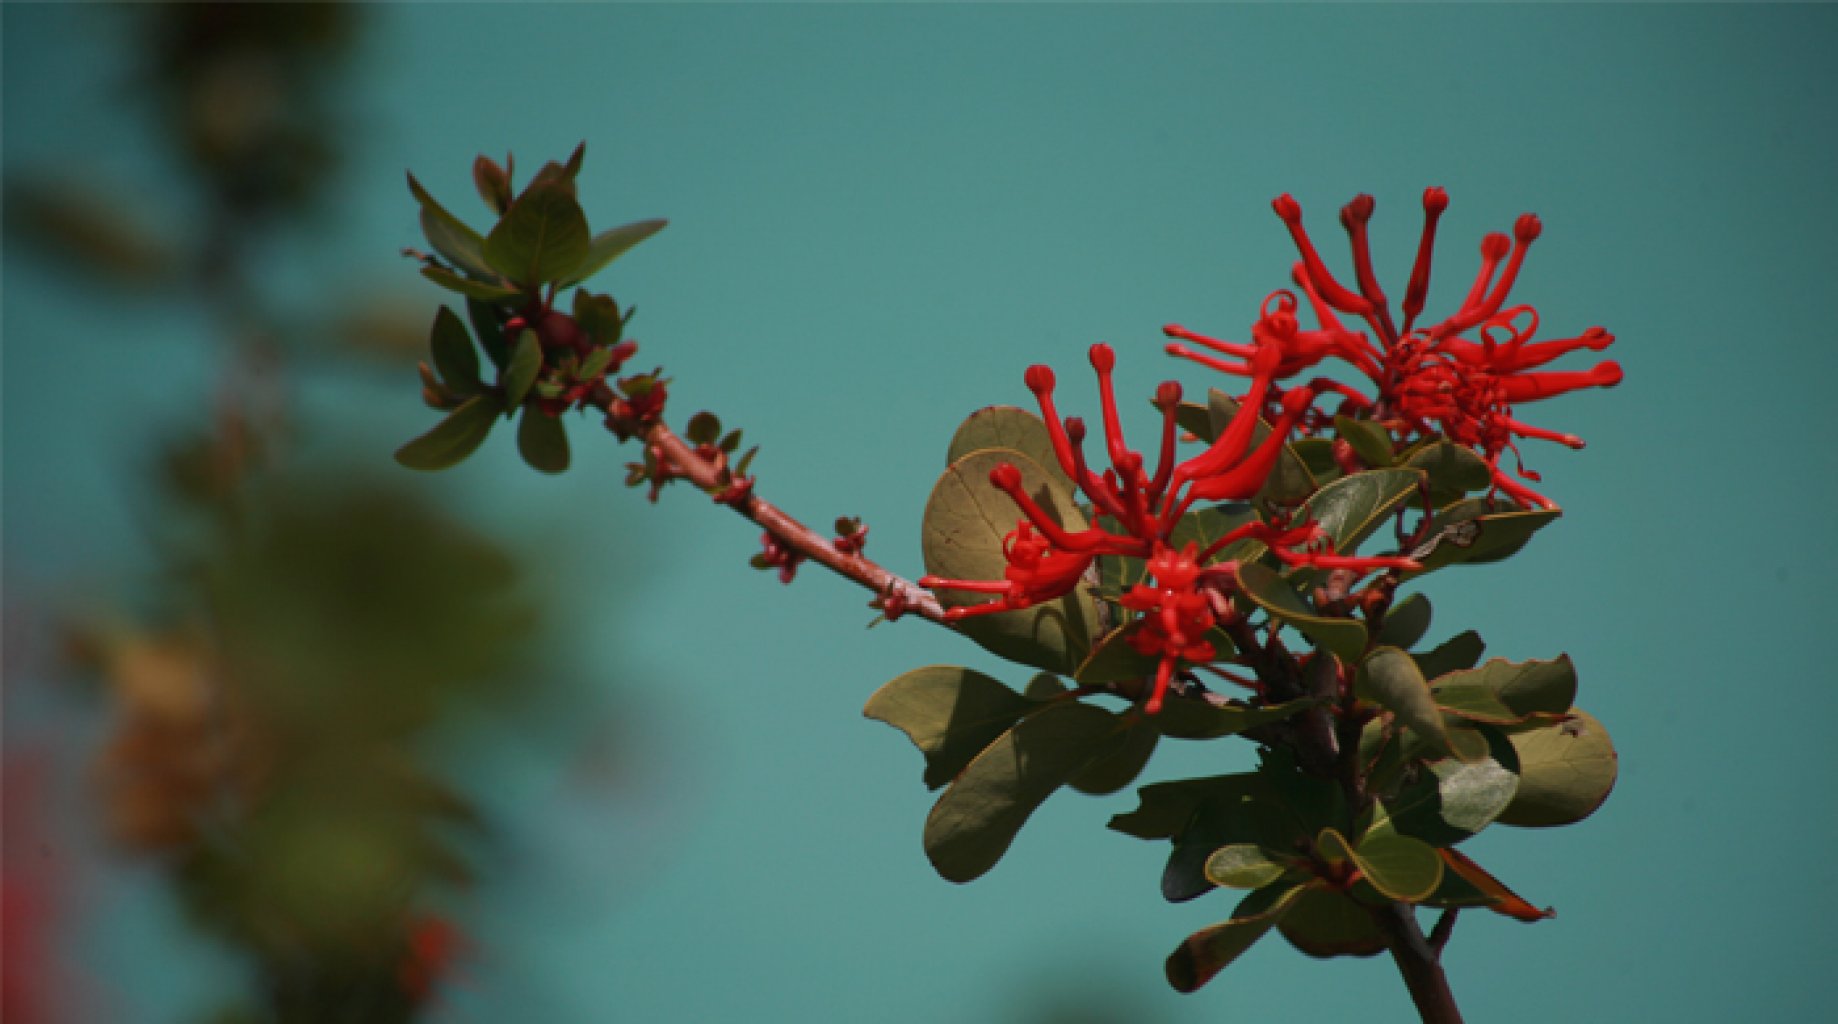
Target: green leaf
x,y
493,183
1566,770
526,363
1470,534
1208,951
977,818
542,441
468,287
1043,686
1452,469
542,238
1351,508
1010,428
1506,693
488,325
1460,651
1327,923
1121,760
598,315
1390,678
1196,419
1399,866
1243,866
1405,622
1207,524
1113,660
1453,800
611,244
951,714
966,520
1167,807
454,357
1317,454
462,246
454,438
1200,720
1370,441
1346,638
1276,807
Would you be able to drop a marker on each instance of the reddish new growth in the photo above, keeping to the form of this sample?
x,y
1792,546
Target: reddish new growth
x,y
1429,380
1046,561
776,554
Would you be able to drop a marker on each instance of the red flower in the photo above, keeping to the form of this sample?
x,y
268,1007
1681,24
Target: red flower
x,y
1046,561
1431,380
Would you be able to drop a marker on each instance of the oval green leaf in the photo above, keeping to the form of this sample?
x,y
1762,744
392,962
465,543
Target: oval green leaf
x,y
450,236
1328,923
1242,866
542,237
1346,638
1011,428
525,364
1406,622
1390,678
1399,866
977,818
966,520
542,440
468,287
611,244
1566,770
455,358
454,438
1209,950
951,714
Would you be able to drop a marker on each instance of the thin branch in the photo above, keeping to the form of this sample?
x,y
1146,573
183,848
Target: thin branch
x,y
1445,926
897,594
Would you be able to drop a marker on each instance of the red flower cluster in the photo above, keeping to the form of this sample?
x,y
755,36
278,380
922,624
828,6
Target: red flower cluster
x,y
1430,380
1046,561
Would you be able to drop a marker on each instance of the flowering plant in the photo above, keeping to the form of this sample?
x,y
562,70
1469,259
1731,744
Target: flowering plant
x,y
1219,594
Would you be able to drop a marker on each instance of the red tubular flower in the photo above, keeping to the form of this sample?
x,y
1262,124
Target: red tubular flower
x,y
1046,560
1428,381
1176,616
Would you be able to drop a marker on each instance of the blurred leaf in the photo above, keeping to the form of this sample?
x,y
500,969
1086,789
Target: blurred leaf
x,y
1327,923
1196,419
1405,622
90,229
1043,686
598,315
454,357
1167,807
1243,866
966,521
1390,678
609,245
1013,429
1370,441
461,245
456,437
1317,453
977,818
525,364
542,238
1566,770
1210,950
951,714
1460,651
493,183
1345,637
542,440
488,326
468,287
1204,525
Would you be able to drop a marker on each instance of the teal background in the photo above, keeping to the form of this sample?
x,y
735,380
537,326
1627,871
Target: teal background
x,y
880,216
